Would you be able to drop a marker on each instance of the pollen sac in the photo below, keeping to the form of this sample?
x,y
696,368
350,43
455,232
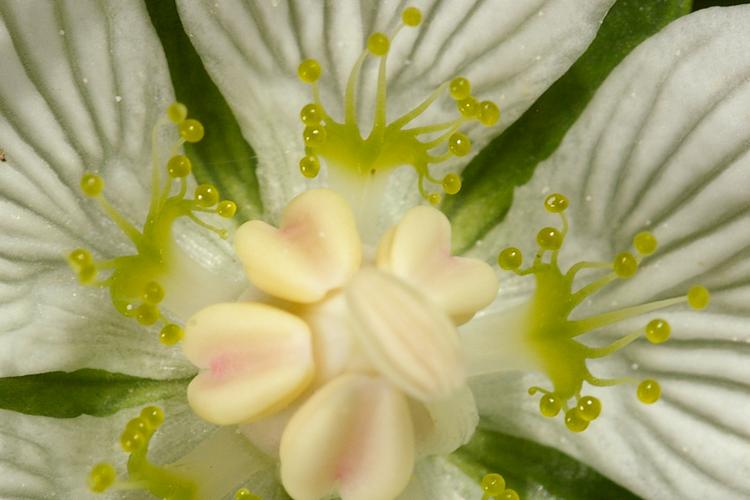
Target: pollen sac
x,y
346,150
135,281
552,335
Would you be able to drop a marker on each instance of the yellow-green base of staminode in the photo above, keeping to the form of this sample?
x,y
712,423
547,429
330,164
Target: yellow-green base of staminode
x,y
550,334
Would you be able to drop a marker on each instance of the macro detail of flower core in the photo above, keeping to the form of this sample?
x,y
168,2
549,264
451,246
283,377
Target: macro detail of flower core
x,y
551,334
337,370
137,282
388,145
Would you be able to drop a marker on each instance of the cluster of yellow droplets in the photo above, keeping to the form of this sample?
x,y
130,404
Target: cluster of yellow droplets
x,y
550,333
493,488
388,145
135,281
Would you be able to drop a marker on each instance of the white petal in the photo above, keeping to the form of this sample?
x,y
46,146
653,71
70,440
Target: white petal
x,y
436,478
441,427
511,50
354,436
663,146
254,361
409,340
82,85
315,249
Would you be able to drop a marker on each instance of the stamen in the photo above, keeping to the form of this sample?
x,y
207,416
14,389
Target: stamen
x,y
135,281
493,487
551,333
388,145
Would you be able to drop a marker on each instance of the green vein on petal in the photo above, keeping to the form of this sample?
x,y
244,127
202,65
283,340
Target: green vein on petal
x,y
510,159
223,157
535,471
83,392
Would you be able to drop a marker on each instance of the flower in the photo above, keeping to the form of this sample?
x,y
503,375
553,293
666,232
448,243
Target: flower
x,y
662,146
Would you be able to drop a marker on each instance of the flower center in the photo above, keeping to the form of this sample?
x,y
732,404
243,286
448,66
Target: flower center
x,y
389,144
551,334
136,282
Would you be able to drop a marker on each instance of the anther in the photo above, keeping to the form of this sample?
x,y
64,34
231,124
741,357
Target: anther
x,y
191,130
489,113
451,183
309,165
227,209
311,114
645,243
589,408
92,184
698,297
549,238
574,421
179,166
556,203
649,391
657,331
510,259
378,44
101,477
411,17
206,195
314,135
625,265
459,144
177,112
460,88
309,71
171,334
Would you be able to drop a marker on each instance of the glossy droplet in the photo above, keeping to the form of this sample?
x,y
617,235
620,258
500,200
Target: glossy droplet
x,y
489,113
510,494
179,166
309,166
493,484
227,209
153,416
550,405
136,425
625,265
132,440
412,16
147,314
460,88
154,293
434,198
549,238
171,334
468,107
206,195
459,144
451,184
191,130
556,203
657,331
79,258
510,259
177,112
309,71
589,408
649,391
87,274
698,297
92,184
314,135
101,477
245,494
311,114
645,243
574,422
378,44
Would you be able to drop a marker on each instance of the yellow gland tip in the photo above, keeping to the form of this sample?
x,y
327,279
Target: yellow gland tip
x,y
154,293
309,165
460,88
468,107
137,424
550,405
493,484
434,198
147,314
309,71
378,44
649,391
549,238
171,334
589,408
311,114
574,421
314,136
245,494
132,440
79,258
153,416
625,265
510,259
556,203
101,477
227,209
177,112
411,17
657,331
206,195
179,166
489,113
459,144
191,130
92,184
698,297
510,494
645,243
451,183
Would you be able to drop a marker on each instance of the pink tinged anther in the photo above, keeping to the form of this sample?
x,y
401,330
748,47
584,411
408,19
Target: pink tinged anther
x,y
254,360
316,248
406,337
354,438
418,250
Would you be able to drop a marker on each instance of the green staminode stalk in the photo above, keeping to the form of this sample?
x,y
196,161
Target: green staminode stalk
x,y
550,333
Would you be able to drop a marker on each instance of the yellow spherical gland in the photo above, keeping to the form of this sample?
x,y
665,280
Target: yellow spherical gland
x,y
245,494
649,391
556,203
451,184
589,408
171,334
625,265
459,144
147,314
489,113
87,274
434,198
154,293
92,184
311,114
206,195
460,88
309,71
137,424
309,166
378,44
177,112
179,166
314,136
645,243
574,421
657,331
101,477
468,107
493,484
191,130
510,494
132,440
698,297
227,209
550,405
412,17
79,258
549,238
510,259
153,416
